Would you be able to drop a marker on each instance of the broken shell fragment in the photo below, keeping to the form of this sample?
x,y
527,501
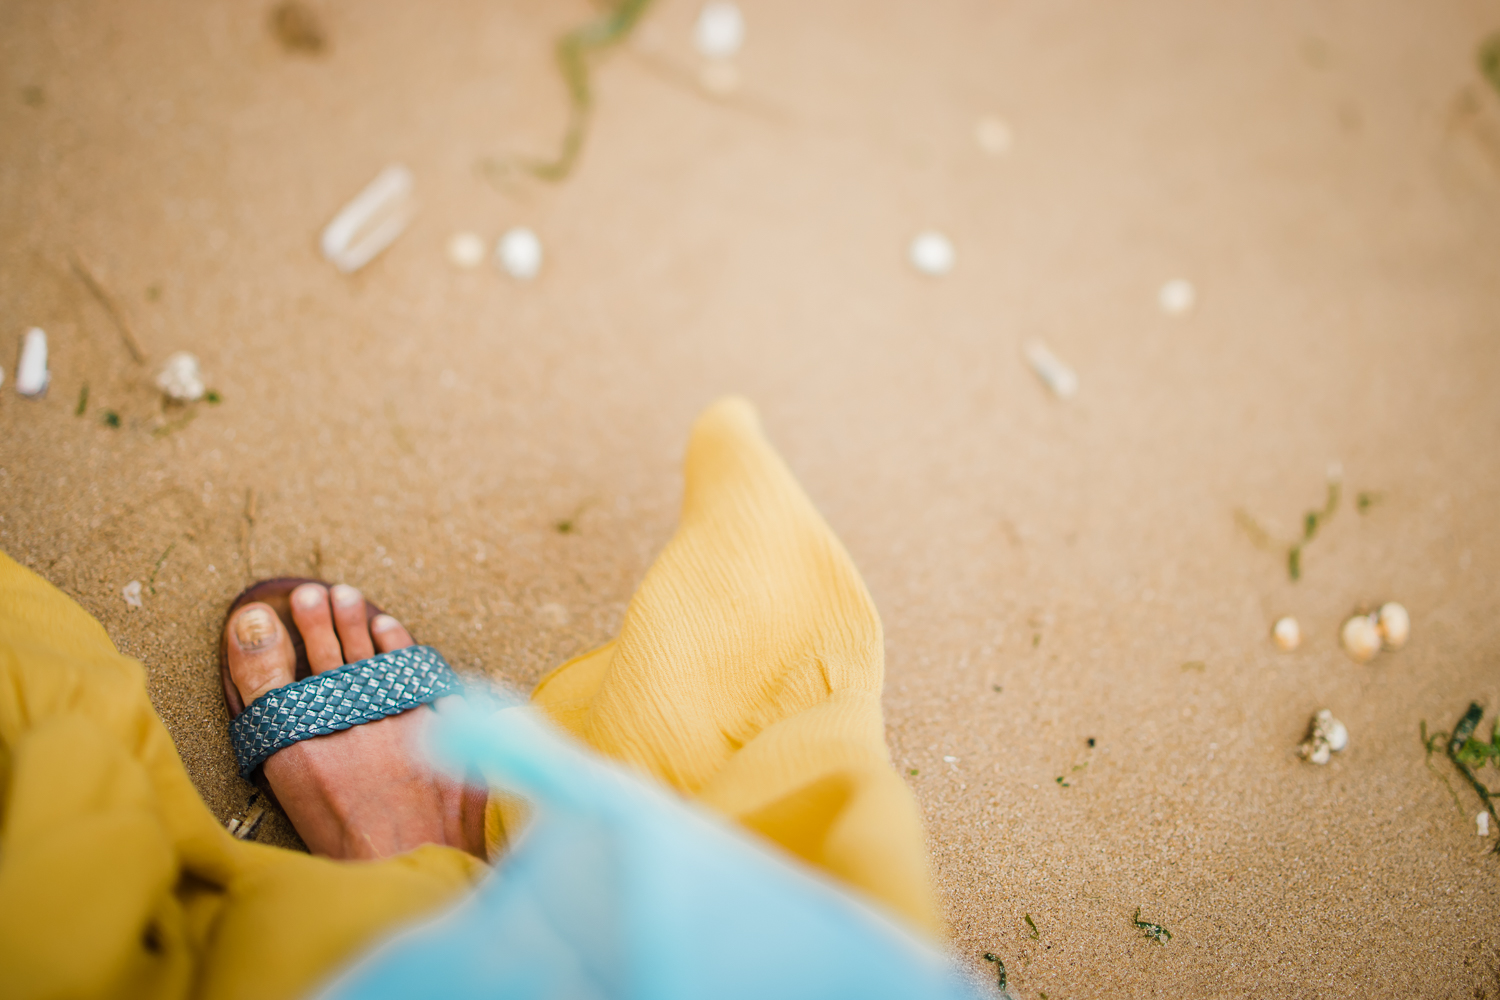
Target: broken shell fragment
x,y
520,253
720,29
931,253
1325,736
180,379
32,375
466,250
1361,638
1287,633
371,222
1394,624
1482,824
1061,379
132,593
1176,296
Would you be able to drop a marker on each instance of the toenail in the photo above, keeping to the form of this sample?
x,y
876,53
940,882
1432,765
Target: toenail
x,y
255,628
382,623
308,597
345,595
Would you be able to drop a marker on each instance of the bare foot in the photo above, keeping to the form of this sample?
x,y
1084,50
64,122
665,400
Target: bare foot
x,y
360,792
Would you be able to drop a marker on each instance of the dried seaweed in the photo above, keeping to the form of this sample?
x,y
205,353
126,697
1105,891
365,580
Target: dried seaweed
x,y
1489,60
1467,755
574,52
111,419
151,581
1034,934
1155,932
83,400
1311,522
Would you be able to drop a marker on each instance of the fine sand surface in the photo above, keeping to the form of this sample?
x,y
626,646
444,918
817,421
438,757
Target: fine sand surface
x,y
1326,174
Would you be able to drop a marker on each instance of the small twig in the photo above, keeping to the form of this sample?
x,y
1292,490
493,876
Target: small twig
x,y
102,297
151,581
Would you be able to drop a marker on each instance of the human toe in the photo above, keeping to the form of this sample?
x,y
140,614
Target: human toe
x,y
315,621
389,634
353,624
260,651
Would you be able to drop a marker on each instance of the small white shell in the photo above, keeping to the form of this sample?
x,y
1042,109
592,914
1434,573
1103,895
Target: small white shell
x,y
1176,296
1325,736
720,29
932,253
1061,379
1287,634
132,593
1361,638
371,222
32,375
180,378
994,136
1332,730
1395,625
1482,824
520,253
466,250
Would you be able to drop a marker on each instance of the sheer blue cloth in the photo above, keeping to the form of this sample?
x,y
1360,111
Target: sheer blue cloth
x,y
619,889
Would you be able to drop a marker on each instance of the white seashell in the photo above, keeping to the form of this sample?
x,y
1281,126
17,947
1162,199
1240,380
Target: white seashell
x,y
720,29
466,250
1287,633
132,593
994,136
1482,823
1059,377
1316,751
1395,625
32,375
520,253
1331,730
931,253
1177,296
1361,638
371,222
180,378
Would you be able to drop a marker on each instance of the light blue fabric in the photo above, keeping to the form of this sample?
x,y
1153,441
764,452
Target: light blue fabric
x,y
618,889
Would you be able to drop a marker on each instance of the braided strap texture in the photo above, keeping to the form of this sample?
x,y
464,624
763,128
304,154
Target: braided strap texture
x,y
325,703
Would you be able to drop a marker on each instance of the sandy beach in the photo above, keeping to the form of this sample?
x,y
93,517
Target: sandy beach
x,y
1081,685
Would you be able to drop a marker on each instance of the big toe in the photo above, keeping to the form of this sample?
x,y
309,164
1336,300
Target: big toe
x,y
261,657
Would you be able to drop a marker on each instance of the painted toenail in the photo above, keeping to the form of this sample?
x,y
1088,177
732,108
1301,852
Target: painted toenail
x,y
308,597
382,623
345,595
255,628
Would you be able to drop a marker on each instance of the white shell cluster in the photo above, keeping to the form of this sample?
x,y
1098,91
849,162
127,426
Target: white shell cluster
x,y
1325,736
1365,635
1058,377
371,221
1287,634
520,253
180,379
932,253
32,376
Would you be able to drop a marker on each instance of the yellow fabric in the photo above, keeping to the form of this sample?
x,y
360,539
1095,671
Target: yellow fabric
x,y
115,880
747,675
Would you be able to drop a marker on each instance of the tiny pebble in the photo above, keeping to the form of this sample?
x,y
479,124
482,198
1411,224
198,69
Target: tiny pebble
x,y
32,375
1176,296
1361,638
1482,821
180,378
931,253
520,253
466,250
1061,379
1395,625
720,29
132,593
1287,633
994,136
719,78
951,760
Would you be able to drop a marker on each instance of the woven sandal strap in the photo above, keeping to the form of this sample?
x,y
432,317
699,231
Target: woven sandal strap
x,y
383,685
